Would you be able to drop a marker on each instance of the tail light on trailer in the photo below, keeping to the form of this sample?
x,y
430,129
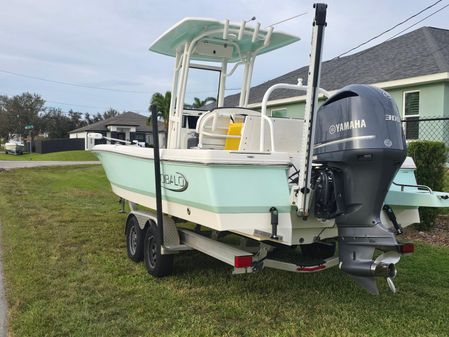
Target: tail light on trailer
x,y
407,248
243,261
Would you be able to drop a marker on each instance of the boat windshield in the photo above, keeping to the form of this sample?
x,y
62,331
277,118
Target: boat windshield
x,y
202,88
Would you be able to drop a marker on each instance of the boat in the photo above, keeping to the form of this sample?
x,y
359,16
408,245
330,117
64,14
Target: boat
x,y
14,146
337,177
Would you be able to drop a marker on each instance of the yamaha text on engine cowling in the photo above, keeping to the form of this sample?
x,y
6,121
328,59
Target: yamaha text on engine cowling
x,y
360,143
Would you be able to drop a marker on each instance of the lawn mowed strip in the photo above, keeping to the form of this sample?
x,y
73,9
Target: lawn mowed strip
x,y
75,155
67,274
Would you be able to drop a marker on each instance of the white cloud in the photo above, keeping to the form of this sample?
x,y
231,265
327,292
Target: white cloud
x,y
106,43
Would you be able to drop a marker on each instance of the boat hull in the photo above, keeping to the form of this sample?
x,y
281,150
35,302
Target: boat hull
x,y
226,197
14,148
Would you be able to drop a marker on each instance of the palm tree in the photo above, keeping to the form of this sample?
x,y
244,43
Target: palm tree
x,y
162,103
110,113
198,103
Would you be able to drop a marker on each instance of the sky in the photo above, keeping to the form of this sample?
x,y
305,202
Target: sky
x,y
104,43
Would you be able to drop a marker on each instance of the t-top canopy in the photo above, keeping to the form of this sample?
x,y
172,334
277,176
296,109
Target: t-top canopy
x,y
219,39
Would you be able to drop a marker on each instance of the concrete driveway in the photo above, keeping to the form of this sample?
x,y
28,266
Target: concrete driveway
x,y
12,164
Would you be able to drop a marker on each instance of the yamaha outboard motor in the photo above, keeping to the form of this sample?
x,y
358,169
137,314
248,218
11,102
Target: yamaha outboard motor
x,y
360,143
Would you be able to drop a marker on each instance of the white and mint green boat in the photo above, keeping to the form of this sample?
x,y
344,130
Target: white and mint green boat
x,y
276,181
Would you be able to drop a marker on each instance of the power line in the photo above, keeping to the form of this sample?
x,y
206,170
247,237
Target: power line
x,y
428,16
389,29
288,19
80,85
78,105
366,50
91,106
73,84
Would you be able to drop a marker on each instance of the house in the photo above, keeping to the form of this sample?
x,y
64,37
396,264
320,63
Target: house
x,y
413,68
126,126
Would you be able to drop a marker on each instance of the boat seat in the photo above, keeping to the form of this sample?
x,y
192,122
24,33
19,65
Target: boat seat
x,y
235,129
220,129
287,134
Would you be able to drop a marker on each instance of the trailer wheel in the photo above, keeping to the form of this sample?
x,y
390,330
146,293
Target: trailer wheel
x,y
157,264
134,239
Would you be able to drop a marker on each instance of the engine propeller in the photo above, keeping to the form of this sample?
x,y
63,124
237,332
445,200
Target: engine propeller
x,y
389,258
366,272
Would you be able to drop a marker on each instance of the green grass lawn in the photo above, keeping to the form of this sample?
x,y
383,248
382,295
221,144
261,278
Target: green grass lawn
x,y
67,274
76,155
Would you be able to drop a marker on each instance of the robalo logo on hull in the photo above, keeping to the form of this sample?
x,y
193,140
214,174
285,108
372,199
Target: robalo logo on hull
x,y
176,182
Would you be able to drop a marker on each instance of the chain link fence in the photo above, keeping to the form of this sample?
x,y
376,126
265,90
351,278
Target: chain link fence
x,y
434,129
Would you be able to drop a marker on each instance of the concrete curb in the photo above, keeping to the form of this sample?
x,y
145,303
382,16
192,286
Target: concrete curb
x,y
12,164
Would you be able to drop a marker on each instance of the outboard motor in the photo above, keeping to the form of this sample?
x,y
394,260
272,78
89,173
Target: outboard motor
x,y
360,145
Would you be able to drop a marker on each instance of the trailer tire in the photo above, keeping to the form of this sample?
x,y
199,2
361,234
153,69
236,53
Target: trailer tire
x,y
156,264
134,239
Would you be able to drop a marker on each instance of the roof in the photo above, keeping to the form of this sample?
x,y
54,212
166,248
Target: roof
x,y
126,119
423,51
190,28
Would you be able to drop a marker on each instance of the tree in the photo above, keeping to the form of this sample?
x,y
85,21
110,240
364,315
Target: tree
x,y
162,103
4,122
29,109
76,120
92,119
22,110
57,124
198,103
110,113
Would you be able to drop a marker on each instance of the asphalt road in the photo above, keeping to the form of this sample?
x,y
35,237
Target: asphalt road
x,y
12,164
8,165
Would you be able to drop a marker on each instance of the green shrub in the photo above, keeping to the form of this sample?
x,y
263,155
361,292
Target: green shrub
x,y
430,158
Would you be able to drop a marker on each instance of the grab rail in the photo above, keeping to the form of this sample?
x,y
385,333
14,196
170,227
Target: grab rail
x,y
264,116
423,187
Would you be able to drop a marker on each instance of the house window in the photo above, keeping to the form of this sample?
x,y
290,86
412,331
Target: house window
x,y
140,137
411,114
282,112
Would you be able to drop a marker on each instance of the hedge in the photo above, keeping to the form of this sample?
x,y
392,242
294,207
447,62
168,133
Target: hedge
x,y
430,158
